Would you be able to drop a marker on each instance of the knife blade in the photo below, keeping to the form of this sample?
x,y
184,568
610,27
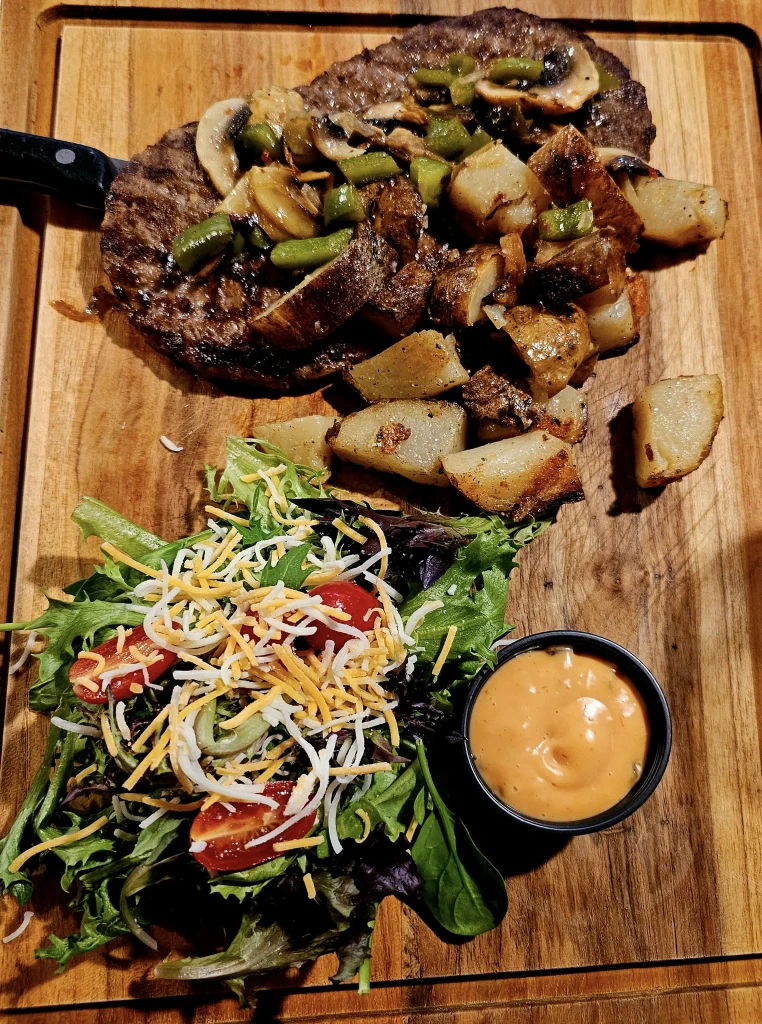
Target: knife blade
x,y
80,174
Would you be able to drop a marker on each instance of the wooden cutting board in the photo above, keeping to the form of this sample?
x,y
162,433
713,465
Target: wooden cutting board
x,y
673,575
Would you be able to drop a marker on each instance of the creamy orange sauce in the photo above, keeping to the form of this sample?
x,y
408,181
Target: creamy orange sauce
x,y
558,735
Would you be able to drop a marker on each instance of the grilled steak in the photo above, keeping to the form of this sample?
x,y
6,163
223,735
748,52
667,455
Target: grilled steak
x,y
204,320
619,118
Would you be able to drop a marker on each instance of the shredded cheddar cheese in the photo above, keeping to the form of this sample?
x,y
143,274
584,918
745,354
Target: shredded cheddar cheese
x,y
298,844
51,844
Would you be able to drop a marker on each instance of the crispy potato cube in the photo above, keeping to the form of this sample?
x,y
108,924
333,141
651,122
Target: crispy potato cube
x,y
675,422
401,304
504,408
494,193
420,366
552,345
406,437
677,213
519,477
614,325
564,271
570,170
456,299
303,439
515,268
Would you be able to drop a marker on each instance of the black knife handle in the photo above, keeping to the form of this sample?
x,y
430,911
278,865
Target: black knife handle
x,y
77,173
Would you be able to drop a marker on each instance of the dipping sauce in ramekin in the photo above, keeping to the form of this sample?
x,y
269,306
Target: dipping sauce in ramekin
x,y
570,733
559,735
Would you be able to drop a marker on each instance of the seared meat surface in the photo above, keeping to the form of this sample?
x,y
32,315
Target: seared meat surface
x,y
206,320
619,118
202,320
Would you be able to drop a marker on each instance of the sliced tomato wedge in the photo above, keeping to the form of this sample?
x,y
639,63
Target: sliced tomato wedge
x,y
348,597
121,686
226,833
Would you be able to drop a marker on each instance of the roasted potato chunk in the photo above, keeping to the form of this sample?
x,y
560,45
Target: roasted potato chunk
x,y
570,170
397,213
676,213
420,366
401,303
515,268
562,272
614,325
504,409
330,295
518,477
675,422
303,439
551,345
456,299
493,193
407,437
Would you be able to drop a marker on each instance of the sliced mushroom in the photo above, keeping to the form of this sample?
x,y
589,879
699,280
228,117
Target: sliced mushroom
x,y
214,142
353,125
460,288
331,141
578,85
407,146
330,295
615,160
404,110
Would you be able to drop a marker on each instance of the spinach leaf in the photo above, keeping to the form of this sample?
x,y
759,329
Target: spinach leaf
x,y
462,889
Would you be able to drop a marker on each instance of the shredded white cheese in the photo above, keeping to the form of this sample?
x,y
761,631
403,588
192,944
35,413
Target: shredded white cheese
x,y
21,660
83,730
28,915
170,445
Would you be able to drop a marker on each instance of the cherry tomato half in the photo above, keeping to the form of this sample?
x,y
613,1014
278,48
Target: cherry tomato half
x,y
349,598
227,832
120,687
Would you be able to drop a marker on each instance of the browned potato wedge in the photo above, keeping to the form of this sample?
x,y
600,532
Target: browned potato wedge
x,y
330,295
676,213
402,302
456,300
504,409
551,345
406,437
420,366
494,193
675,422
614,325
303,439
564,271
515,267
398,214
570,170
519,477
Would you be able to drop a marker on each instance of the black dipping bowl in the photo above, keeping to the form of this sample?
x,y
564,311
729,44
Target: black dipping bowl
x,y
659,720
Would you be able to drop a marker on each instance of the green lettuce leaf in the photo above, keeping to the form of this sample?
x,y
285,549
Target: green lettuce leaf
x,y
77,856
65,622
244,885
246,457
474,591
16,882
101,922
289,569
96,519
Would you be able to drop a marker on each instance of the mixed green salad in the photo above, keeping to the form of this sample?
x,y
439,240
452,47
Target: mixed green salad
x,y
247,724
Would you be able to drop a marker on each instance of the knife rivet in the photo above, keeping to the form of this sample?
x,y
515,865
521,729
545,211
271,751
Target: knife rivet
x,y
66,156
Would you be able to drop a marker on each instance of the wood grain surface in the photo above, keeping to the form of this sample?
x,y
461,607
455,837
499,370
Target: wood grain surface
x,y
673,575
